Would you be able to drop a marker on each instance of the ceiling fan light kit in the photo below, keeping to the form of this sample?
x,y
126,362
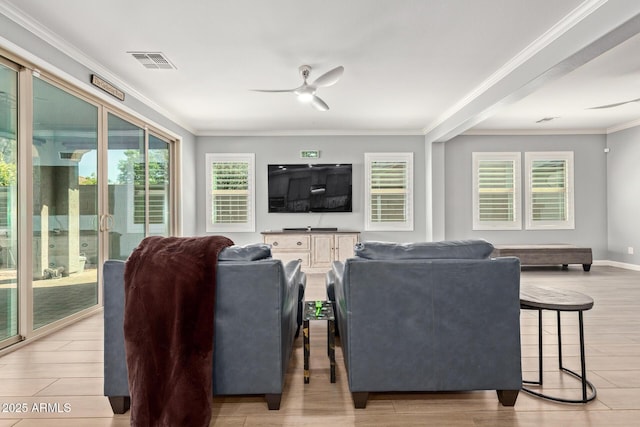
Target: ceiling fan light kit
x,y
306,93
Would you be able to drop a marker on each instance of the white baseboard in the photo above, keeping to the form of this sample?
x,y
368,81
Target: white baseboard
x,y
617,264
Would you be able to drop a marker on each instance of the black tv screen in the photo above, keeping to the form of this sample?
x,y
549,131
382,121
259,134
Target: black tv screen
x,y
310,188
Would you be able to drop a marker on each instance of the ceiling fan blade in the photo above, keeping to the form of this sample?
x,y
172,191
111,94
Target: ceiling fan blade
x,y
319,104
614,105
276,90
329,78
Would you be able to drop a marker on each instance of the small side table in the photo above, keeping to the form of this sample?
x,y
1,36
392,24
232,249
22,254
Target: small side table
x,y
319,310
540,298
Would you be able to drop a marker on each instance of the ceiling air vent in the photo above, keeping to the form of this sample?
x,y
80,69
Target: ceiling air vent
x,y
153,60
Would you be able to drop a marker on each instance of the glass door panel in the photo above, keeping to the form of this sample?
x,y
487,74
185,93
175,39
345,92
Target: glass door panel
x,y
8,203
159,199
65,200
125,223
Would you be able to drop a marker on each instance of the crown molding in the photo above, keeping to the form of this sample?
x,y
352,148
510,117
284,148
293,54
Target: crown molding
x,y
605,131
42,32
316,132
535,132
623,126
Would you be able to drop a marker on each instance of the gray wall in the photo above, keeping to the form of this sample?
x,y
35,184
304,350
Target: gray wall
x,y
623,195
590,177
338,149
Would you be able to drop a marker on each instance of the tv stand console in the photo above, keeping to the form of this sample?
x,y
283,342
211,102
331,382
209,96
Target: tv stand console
x,y
317,248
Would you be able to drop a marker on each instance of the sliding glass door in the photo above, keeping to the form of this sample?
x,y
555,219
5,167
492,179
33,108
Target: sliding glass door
x,y
65,204
8,202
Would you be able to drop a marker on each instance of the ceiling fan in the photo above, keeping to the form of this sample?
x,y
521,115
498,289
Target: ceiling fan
x,y
617,104
307,91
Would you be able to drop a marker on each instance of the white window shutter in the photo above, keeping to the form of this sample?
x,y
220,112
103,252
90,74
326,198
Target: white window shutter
x,y
550,190
389,191
230,192
496,191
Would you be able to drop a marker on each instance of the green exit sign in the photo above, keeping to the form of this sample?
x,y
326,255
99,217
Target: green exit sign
x,y
310,154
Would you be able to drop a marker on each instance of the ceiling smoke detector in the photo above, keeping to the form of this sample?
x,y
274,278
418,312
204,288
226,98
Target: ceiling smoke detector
x,y
153,60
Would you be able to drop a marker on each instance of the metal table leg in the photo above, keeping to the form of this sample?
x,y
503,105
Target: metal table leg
x,y
305,334
582,377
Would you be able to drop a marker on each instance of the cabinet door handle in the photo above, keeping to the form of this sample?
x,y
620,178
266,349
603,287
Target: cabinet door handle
x,y
275,243
299,243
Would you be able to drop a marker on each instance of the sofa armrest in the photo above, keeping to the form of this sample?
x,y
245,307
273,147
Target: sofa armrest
x,y
336,272
115,366
295,275
330,283
334,281
292,270
297,282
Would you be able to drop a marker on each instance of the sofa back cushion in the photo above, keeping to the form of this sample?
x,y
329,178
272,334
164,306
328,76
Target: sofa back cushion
x,y
250,252
453,249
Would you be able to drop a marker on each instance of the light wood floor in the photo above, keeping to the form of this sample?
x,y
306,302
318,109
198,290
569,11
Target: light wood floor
x,y
66,369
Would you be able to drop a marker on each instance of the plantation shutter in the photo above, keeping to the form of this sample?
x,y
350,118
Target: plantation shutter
x,y
496,184
139,192
497,191
230,191
156,192
550,200
549,190
5,206
157,203
389,191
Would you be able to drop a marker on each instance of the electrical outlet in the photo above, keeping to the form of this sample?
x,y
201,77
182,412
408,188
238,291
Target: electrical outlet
x,y
630,250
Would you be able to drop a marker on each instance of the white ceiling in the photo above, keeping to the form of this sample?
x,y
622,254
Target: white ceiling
x,y
433,67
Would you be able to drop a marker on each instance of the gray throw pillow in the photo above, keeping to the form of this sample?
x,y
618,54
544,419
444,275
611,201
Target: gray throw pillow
x,y
452,249
252,252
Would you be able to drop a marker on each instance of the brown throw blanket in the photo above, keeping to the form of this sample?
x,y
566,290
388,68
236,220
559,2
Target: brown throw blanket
x,y
168,329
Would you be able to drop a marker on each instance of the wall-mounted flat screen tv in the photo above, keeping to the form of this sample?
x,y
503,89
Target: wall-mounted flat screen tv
x,y
310,188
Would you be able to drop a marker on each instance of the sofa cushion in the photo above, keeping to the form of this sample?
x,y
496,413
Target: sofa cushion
x,y
252,252
453,249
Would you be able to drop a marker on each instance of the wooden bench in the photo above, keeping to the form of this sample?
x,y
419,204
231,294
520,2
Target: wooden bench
x,y
547,254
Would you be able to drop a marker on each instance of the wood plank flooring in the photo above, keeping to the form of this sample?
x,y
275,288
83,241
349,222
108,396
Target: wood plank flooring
x,y
58,379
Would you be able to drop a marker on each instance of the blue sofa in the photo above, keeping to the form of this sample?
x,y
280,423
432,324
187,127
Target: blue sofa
x,y
438,316
256,319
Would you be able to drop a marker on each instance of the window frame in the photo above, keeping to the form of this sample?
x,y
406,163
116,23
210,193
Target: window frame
x,y
569,222
407,224
250,224
516,158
